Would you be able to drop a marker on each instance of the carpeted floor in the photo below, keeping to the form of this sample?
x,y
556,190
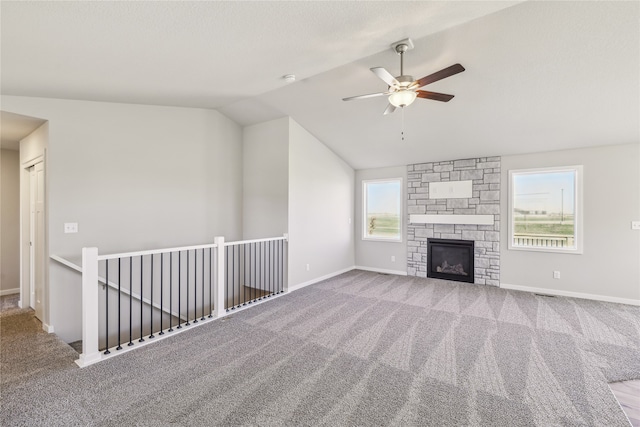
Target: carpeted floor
x,y
360,349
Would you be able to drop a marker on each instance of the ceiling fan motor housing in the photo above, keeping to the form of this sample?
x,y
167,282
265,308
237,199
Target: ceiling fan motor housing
x,y
405,81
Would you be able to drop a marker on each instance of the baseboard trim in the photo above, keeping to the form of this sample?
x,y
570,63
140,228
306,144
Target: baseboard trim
x,y
320,279
9,291
381,270
47,328
604,298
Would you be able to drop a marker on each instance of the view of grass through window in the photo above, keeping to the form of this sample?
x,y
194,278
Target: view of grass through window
x,y
382,210
543,209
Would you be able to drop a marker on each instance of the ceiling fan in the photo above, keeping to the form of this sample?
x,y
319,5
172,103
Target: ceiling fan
x,y
403,90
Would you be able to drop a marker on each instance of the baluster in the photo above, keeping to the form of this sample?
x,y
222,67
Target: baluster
x,y
170,291
141,299
202,283
106,299
151,305
233,277
180,290
237,249
250,264
263,268
278,265
269,284
161,293
195,286
226,274
119,299
244,274
130,302
259,270
211,282
187,324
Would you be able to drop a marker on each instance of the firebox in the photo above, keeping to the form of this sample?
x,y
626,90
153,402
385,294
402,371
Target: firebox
x,y
450,259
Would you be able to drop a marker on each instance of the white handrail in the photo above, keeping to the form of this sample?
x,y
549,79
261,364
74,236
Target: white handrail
x,y
66,263
155,251
268,239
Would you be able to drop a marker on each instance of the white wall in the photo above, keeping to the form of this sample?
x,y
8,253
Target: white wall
x,y
321,202
377,255
135,177
265,179
610,264
138,177
9,222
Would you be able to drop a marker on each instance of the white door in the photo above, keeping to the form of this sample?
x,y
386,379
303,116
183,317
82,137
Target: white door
x,y
36,236
32,235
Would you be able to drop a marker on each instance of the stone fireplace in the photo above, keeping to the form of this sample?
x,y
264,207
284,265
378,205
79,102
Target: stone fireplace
x,y
455,200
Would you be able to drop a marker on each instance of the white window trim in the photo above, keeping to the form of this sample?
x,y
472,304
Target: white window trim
x,y
364,210
578,203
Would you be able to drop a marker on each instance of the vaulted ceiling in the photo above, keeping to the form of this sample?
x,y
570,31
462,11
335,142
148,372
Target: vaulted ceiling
x,y
539,75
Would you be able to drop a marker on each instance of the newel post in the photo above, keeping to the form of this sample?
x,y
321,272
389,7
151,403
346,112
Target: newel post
x,y
219,285
90,328
285,263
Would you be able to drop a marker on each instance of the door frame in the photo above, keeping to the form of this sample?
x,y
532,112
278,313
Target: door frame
x,y
26,271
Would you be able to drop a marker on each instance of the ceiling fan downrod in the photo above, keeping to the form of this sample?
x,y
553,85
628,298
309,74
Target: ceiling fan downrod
x,y
401,49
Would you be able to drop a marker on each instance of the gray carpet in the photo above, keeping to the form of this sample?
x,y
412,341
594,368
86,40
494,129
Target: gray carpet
x,y
361,349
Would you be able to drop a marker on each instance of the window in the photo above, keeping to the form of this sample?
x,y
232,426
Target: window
x,y
545,209
382,218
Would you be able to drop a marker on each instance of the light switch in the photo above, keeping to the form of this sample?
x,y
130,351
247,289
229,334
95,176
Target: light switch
x,y
635,225
70,227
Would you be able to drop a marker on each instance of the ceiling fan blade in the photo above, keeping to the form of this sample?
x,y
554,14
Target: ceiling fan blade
x,y
386,76
439,75
390,109
371,95
434,95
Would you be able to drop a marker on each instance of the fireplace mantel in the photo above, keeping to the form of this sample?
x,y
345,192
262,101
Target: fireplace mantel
x,y
451,219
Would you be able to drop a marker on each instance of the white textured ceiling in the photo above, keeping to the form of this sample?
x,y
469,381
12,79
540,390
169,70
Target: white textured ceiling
x,y
540,75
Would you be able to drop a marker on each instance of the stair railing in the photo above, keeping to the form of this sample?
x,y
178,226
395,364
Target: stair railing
x,y
149,295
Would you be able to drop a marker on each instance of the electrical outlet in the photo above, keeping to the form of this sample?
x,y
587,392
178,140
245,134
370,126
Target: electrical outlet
x,y
393,258
70,227
307,267
635,225
556,274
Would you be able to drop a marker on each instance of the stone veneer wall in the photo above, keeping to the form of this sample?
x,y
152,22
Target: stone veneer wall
x,y
485,200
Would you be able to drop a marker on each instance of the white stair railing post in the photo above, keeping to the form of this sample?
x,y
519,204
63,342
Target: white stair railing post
x,y
90,328
219,298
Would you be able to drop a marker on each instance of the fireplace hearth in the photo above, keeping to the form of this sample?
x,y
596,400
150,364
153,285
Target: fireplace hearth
x,y
450,259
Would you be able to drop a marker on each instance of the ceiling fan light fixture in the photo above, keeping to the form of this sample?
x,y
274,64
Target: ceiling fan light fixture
x,y
402,98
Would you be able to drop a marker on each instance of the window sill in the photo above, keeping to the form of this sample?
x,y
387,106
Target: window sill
x,y
381,239
576,251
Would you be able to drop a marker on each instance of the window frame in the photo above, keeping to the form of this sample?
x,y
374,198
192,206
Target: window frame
x,y
578,204
364,229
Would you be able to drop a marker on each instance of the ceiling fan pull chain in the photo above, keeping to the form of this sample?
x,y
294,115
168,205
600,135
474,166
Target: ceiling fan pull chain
x,y
402,130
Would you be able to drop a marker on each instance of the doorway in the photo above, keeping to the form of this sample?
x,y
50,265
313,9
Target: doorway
x,y
36,238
